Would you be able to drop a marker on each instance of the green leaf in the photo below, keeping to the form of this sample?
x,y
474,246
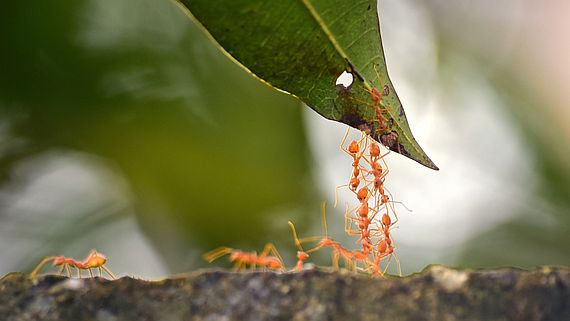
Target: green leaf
x,y
302,46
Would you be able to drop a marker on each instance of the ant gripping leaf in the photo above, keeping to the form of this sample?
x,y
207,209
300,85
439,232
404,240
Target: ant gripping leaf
x,y
306,46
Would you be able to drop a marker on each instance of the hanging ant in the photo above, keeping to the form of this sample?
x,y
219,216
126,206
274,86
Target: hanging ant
x,y
356,151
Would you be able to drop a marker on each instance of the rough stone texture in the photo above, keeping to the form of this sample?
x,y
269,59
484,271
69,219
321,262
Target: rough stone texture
x,y
438,293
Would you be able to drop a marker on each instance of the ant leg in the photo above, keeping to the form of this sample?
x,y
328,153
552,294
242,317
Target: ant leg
x,y
343,141
309,239
39,266
348,262
90,272
398,264
336,193
383,160
324,218
387,265
378,78
217,253
348,222
404,205
295,238
397,202
335,258
238,265
109,272
60,272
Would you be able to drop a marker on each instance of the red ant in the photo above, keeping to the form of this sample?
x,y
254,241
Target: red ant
x,y
386,247
355,151
252,259
363,220
325,241
94,260
377,96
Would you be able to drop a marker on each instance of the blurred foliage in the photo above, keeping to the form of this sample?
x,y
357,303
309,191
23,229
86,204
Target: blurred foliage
x,y
540,233
210,153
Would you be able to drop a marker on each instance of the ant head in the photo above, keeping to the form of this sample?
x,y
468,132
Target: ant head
x,y
374,149
354,182
353,148
375,95
95,259
326,242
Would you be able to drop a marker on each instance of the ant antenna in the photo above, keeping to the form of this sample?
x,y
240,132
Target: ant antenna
x,y
297,242
217,253
324,218
39,266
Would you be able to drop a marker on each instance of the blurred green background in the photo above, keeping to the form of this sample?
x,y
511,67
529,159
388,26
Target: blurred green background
x,y
124,129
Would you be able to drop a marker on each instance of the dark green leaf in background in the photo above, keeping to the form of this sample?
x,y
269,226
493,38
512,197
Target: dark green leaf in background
x,y
303,46
139,91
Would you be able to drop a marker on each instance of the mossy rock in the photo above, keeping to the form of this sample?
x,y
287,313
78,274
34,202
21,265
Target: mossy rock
x,y
437,293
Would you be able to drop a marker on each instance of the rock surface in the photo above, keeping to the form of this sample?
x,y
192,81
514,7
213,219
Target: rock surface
x,y
437,293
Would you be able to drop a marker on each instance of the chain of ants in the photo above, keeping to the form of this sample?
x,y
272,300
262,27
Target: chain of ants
x,y
370,221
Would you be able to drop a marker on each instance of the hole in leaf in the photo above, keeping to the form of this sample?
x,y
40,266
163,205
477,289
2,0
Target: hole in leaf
x,y
345,79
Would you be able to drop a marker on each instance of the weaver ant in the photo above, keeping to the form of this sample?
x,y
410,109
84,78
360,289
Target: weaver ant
x,y
350,258
243,259
94,260
386,247
356,151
